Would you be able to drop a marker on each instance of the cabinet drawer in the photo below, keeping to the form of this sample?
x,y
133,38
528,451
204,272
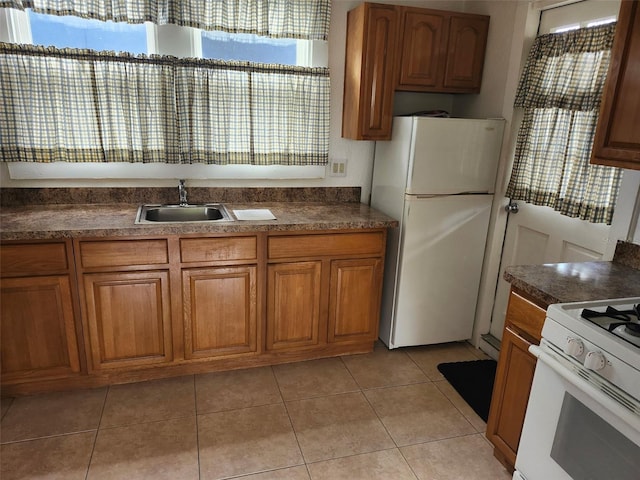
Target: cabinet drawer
x,y
123,253
218,249
33,259
329,244
525,315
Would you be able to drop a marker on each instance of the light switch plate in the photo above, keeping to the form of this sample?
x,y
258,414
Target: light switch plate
x,y
338,167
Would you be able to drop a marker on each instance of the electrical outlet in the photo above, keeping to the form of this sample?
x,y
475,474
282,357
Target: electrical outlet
x,y
338,167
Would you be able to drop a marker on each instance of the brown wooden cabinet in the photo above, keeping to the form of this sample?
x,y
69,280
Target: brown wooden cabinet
x,y
441,51
293,305
421,53
128,317
323,289
466,45
369,72
354,300
514,376
405,48
38,313
617,138
219,296
220,314
126,302
96,311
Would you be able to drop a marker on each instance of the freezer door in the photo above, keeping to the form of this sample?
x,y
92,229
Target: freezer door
x,y
440,262
454,155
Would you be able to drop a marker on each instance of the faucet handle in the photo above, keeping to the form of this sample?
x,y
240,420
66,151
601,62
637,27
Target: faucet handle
x,y
183,192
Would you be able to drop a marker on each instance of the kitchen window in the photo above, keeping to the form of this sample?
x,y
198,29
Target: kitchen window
x,y
207,140
147,38
74,32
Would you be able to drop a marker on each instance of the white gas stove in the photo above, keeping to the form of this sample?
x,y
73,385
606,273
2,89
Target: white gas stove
x,y
603,336
583,416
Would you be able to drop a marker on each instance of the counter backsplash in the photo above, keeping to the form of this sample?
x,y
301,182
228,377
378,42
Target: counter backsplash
x,y
628,254
110,195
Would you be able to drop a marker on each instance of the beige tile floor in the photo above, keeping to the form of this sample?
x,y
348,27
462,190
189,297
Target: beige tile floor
x,y
384,415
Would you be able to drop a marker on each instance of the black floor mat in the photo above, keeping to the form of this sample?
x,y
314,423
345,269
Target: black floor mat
x,y
473,381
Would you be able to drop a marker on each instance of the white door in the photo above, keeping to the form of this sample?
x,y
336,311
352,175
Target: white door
x,y
537,235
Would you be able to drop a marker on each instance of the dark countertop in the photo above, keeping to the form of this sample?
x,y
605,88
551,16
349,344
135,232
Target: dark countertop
x,y
29,222
575,282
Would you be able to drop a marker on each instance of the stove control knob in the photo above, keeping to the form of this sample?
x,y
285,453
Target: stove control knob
x,y
595,361
574,347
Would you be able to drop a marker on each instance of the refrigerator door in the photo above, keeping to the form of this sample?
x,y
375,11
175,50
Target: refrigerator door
x,y
440,261
390,168
454,155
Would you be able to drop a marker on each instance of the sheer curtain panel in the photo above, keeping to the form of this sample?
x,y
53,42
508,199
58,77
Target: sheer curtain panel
x,y
560,92
86,106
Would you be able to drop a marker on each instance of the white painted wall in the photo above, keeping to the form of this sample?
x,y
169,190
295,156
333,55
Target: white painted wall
x,y
512,29
358,153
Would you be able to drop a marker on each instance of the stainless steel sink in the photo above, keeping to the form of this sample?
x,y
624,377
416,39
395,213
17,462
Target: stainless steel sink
x,y
209,212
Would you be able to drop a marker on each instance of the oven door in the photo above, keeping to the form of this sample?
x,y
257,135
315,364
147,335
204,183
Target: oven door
x,y
576,427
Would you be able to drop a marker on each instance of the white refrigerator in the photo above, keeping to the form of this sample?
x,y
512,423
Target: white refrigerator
x,y
437,177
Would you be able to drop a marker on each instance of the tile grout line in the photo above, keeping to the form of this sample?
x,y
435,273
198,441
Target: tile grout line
x,y
344,364
146,422
408,463
11,399
362,392
286,409
429,442
429,381
366,399
455,406
195,402
95,438
419,367
46,437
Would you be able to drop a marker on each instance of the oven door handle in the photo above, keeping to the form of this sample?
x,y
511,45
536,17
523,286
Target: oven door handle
x,y
613,405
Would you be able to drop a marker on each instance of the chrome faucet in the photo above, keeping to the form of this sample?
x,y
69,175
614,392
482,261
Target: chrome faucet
x,y
183,193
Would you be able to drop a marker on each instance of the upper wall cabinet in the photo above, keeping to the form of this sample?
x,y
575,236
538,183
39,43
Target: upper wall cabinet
x,y
369,72
404,48
441,51
617,139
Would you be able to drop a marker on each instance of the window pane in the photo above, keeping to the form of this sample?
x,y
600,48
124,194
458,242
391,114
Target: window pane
x,y
248,48
78,32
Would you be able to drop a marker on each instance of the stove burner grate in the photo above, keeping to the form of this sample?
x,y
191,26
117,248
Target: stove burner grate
x,y
625,323
623,316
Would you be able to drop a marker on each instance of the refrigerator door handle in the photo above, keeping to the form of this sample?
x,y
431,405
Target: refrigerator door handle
x,y
484,192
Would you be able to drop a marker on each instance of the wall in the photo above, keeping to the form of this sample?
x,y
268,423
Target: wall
x,y
512,29
504,74
359,154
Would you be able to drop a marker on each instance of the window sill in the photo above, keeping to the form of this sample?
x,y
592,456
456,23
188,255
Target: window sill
x,y
77,171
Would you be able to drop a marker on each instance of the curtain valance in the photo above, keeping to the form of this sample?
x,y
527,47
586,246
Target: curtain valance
x,y
303,19
566,70
86,106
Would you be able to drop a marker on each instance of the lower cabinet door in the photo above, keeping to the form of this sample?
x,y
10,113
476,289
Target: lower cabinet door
x,y
38,338
293,304
514,377
128,317
354,300
220,311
